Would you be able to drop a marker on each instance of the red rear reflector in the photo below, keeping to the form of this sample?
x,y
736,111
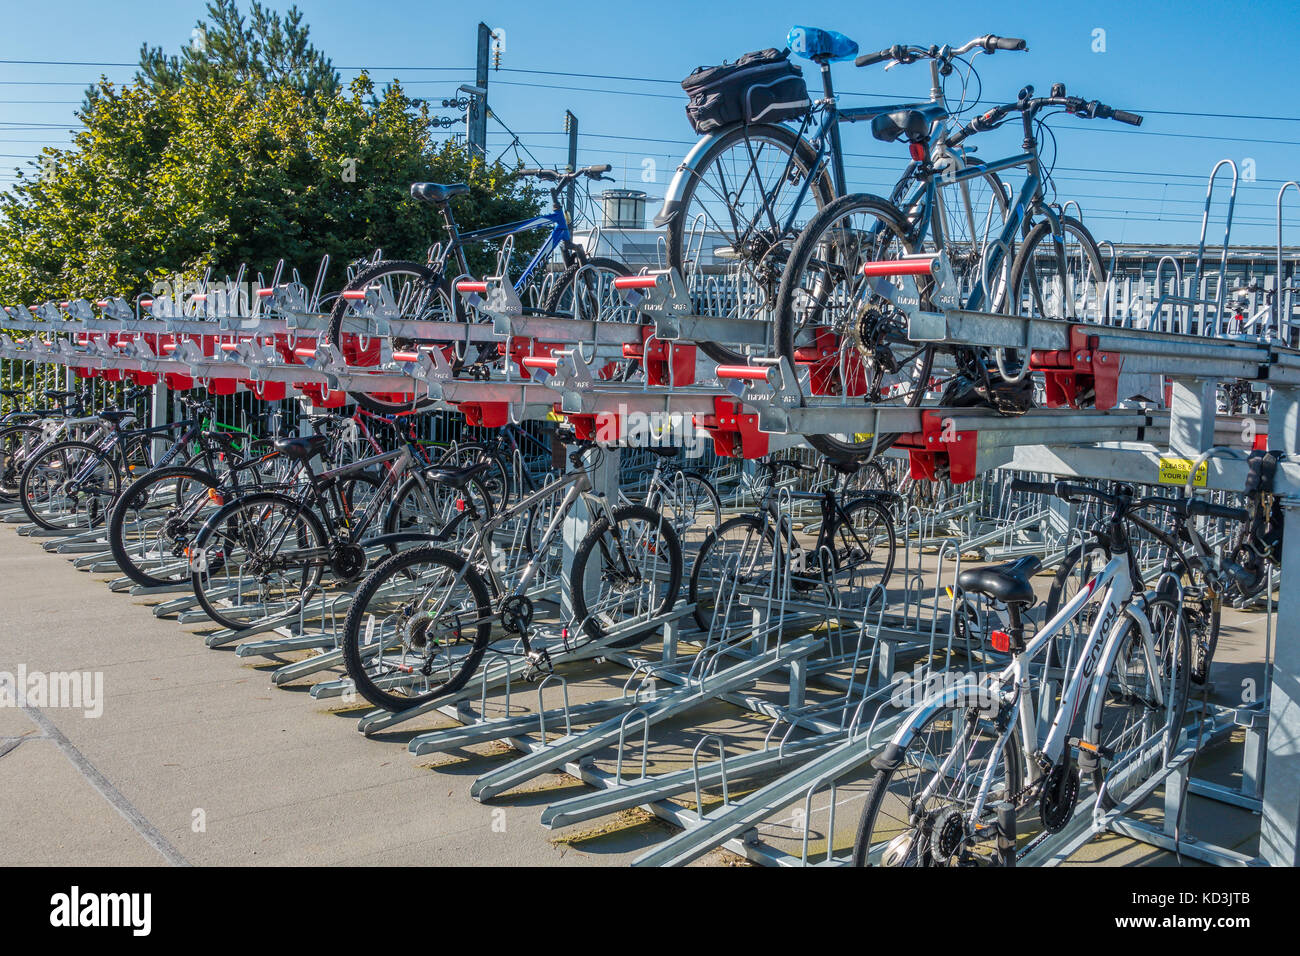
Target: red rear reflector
x,y
216,497
460,504
1001,641
918,151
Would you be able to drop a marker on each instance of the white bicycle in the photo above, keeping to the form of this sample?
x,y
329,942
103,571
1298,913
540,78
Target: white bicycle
x,y
1006,742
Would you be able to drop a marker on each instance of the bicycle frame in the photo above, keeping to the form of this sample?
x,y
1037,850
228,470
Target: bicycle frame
x,y
579,482
1113,589
559,236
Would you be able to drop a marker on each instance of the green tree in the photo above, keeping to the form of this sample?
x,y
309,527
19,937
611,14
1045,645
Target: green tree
x,y
237,159
267,52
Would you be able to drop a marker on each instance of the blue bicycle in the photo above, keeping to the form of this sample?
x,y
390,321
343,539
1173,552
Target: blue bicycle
x,y
424,291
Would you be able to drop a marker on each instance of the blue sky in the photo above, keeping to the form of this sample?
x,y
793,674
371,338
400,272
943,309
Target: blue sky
x,y
1146,185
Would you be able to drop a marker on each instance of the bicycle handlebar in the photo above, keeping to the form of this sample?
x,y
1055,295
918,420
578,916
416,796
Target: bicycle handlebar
x,y
902,53
1065,490
1074,105
555,176
1195,508
1184,507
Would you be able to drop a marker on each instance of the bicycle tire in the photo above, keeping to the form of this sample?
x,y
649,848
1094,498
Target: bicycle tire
x,y
354,629
214,525
436,284
680,226
789,327
905,846
696,593
117,524
12,457
99,511
1176,659
593,619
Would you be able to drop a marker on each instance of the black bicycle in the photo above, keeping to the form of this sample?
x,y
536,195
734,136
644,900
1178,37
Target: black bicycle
x,y
851,553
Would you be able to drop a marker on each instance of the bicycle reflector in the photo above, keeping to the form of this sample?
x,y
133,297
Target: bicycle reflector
x,y
216,497
460,504
1001,641
918,151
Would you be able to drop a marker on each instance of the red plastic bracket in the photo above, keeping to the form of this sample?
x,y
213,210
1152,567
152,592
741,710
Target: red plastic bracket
x,y
665,363
1083,368
938,444
485,414
735,434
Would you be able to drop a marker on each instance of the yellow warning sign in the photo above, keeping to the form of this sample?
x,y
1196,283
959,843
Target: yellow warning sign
x,y
1174,471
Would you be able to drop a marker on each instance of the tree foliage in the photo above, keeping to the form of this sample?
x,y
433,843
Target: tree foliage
x,y
243,152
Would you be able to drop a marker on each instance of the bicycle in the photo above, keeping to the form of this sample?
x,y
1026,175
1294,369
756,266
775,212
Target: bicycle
x,y
424,291
972,748
421,622
65,483
756,184
684,497
26,433
846,312
267,551
1205,575
854,550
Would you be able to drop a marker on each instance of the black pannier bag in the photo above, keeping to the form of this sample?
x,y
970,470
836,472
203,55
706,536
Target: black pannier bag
x,y
761,87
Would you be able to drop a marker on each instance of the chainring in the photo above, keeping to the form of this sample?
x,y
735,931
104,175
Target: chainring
x,y
1055,813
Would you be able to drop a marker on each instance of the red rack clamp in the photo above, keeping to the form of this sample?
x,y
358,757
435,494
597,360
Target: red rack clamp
x,y
524,350
939,450
665,363
1083,369
485,414
734,432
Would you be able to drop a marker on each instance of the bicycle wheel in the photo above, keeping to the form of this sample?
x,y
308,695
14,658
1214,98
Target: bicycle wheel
x,y
418,292
918,808
417,628
862,547
870,476
626,569
738,557
155,520
497,480
840,336
744,190
1072,287
1131,728
69,486
17,444
436,511
690,503
258,557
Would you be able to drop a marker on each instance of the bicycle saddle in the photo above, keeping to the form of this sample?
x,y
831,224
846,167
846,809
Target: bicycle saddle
x,y
914,124
670,452
458,477
117,415
53,393
12,392
434,192
1008,583
300,449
